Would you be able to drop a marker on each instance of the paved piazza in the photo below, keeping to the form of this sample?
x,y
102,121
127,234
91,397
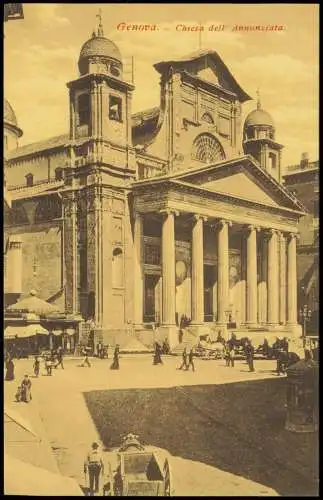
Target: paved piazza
x,y
68,422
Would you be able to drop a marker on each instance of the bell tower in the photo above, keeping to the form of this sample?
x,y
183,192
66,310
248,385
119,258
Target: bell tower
x,y
100,103
101,165
259,140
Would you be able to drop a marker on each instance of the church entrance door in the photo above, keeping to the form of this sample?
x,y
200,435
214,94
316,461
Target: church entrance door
x,y
151,282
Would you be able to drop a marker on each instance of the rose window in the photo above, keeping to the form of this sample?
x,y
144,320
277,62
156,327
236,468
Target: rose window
x,y
207,149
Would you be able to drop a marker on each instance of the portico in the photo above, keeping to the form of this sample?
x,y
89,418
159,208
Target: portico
x,y
214,258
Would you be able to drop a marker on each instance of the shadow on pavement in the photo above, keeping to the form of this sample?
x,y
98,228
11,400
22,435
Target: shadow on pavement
x,y
236,427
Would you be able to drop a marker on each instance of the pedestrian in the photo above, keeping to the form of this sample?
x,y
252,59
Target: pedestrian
x,y
190,360
157,355
10,369
36,366
229,354
184,360
282,358
166,346
94,465
249,351
48,365
60,358
18,395
86,359
26,389
115,362
99,349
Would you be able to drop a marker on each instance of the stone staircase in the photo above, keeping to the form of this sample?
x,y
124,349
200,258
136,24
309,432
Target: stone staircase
x,y
189,340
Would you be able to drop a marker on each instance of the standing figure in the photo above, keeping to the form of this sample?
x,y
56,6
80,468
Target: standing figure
x,y
191,360
10,369
115,363
184,360
48,365
99,349
26,389
249,350
18,395
60,358
229,354
36,366
86,359
157,355
94,466
166,346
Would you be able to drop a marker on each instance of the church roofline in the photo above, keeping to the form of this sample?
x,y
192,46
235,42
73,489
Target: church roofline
x,y
299,207
164,65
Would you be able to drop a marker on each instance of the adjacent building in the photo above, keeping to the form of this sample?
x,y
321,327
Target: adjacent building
x,y
303,181
139,219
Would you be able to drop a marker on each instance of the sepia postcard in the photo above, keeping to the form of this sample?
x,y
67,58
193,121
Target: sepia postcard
x,y
161,249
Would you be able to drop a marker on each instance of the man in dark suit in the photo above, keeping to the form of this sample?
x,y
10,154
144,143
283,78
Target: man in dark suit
x,y
249,350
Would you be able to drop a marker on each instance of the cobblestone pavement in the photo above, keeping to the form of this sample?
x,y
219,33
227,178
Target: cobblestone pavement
x,y
63,410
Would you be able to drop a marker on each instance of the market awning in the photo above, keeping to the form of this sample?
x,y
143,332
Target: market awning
x,y
24,331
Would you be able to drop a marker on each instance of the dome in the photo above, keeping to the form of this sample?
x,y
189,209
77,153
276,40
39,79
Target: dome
x,y
259,117
9,115
9,118
100,46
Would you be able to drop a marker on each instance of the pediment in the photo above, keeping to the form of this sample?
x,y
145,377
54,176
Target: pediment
x,y
242,180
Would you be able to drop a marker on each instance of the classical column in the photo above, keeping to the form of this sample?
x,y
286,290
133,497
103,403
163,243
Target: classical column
x,y
223,270
291,280
262,286
272,284
282,279
252,292
168,268
73,262
138,272
197,271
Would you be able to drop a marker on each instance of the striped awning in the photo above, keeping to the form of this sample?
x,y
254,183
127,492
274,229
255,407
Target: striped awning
x,y
24,331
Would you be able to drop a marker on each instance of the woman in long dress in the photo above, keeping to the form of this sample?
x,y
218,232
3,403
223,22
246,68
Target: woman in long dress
x,y
115,363
26,389
10,370
157,355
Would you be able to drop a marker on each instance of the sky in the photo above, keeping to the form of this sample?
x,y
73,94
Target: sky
x,y
41,54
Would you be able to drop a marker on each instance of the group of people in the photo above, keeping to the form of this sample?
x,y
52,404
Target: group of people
x,y
116,356
24,389
187,360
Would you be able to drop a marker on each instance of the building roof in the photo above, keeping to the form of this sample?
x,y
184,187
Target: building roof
x,y
9,117
36,147
100,46
200,54
137,119
141,117
33,304
259,117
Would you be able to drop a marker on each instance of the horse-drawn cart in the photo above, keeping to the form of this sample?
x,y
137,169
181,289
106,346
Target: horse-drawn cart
x,y
139,471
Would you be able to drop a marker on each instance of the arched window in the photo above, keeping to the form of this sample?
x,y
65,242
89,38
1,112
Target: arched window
x,y
207,149
207,117
58,174
29,180
117,268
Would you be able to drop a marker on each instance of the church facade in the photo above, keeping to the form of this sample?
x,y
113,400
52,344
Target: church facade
x,y
140,219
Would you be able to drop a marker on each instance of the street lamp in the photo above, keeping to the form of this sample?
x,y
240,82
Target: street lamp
x,y
305,314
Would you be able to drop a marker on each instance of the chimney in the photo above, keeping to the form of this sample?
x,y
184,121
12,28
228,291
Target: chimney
x,y
304,160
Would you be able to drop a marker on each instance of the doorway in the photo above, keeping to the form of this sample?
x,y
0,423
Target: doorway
x,y
209,281
151,282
